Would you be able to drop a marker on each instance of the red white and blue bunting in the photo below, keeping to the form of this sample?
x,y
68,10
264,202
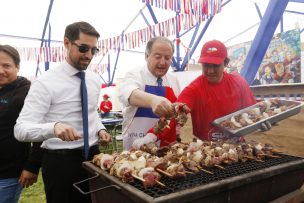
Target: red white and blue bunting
x,y
99,68
200,10
194,7
42,54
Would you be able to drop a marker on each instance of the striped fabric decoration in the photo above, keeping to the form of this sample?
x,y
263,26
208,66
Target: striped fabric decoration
x,y
194,7
191,13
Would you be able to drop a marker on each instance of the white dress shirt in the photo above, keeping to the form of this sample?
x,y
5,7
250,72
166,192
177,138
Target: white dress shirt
x,y
55,97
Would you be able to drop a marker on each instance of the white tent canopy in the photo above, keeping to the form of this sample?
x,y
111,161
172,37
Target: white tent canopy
x,y
27,19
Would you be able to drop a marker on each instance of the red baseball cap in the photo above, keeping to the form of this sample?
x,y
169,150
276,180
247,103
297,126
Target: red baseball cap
x,y
213,52
106,96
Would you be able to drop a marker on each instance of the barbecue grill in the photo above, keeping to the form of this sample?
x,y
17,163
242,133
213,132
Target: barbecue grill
x,y
249,181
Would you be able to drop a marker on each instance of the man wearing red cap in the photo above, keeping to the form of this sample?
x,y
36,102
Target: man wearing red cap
x,y
215,93
105,106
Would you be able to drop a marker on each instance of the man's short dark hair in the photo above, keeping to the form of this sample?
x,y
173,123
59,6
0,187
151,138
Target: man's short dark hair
x,y
73,30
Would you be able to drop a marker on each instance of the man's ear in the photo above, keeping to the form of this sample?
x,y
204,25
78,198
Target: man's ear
x,y
66,42
146,56
226,61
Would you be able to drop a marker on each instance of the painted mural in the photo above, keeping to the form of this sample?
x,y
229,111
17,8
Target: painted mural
x,y
281,63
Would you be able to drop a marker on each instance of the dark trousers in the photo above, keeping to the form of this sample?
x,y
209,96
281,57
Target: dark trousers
x,y
62,168
105,114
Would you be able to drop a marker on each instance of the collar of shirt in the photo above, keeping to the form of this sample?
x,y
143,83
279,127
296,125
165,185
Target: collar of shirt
x,y
69,70
152,80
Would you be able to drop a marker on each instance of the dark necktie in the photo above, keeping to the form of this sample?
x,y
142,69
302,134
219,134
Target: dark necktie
x,y
159,82
84,105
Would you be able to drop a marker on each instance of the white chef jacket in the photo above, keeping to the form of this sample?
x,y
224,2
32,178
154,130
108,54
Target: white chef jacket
x,y
132,127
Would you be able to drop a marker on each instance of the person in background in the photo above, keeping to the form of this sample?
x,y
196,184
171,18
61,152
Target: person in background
x,y
105,106
19,161
215,93
147,94
53,113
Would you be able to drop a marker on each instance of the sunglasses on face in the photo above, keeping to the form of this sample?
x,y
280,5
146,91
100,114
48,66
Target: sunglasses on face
x,y
83,48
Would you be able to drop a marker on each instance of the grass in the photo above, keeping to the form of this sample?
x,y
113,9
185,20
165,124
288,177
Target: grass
x,y
109,149
36,194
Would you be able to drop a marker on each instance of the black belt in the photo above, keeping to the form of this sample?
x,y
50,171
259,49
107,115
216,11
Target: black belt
x,y
72,152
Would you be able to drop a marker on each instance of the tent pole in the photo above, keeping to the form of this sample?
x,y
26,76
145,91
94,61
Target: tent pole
x,y
44,30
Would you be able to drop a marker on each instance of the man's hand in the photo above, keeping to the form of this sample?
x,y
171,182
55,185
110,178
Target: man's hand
x,y
104,137
27,178
148,138
161,106
66,132
266,126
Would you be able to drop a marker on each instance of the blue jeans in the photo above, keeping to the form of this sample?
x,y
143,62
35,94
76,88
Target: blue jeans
x,y
10,190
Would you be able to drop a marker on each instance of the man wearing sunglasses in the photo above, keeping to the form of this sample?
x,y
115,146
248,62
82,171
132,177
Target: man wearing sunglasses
x,y
53,113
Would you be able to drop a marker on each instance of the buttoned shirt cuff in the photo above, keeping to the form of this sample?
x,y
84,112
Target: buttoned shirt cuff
x,y
50,130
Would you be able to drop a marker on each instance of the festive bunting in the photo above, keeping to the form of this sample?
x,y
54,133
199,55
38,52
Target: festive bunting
x,y
99,68
192,12
194,7
42,54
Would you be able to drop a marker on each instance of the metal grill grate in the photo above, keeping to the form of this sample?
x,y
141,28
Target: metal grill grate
x,y
192,180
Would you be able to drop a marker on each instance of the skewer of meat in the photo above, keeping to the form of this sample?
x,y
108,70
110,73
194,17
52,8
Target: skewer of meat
x,y
132,167
161,124
191,156
123,170
225,153
150,148
248,153
269,149
178,162
260,150
263,110
176,170
160,165
179,112
187,154
180,159
150,176
148,179
143,166
104,161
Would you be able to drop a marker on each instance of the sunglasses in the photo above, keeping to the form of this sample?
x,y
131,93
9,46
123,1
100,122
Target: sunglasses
x,y
83,48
